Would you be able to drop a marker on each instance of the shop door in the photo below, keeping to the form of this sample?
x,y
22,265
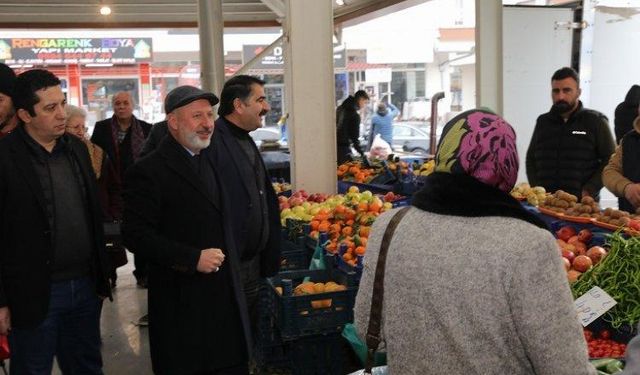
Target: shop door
x,y
535,45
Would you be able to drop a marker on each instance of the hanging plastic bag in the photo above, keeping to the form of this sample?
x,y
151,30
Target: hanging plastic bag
x,y
380,149
360,347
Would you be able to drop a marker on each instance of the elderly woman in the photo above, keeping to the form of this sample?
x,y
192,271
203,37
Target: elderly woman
x,y
475,284
107,178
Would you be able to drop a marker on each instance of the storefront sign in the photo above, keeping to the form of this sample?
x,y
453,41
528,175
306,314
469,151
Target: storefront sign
x,y
275,59
75,50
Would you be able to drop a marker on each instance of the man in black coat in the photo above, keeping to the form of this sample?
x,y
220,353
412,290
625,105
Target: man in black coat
x,y
122,137
53,262
176,218
348,125
255,213
570,144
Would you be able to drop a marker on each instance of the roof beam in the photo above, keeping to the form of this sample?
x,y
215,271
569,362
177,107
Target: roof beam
x,y
276,6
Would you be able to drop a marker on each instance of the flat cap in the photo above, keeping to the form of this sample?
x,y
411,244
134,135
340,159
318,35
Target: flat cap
x,y
183,95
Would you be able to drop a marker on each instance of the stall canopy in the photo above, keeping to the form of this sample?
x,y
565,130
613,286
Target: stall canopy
x,y
163,13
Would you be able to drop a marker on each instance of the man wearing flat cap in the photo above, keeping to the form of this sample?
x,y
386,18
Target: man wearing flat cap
x,y
8,117
174,216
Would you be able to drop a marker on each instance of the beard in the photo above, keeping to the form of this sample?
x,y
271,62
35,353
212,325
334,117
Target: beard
x,y
194,142
562,107
6,117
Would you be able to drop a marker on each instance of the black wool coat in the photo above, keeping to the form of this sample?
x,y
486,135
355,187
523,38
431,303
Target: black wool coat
x,y
197,322
26,241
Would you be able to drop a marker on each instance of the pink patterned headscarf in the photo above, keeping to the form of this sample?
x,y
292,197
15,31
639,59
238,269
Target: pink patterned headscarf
x,y
481,144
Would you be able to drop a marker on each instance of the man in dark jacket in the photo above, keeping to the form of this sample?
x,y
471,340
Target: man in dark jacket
x,y
122,138
8,118
53,259
255,211
175,215
570,144
348,125
626,112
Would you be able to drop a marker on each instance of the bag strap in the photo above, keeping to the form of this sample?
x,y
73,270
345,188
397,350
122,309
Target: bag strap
x,y
375,317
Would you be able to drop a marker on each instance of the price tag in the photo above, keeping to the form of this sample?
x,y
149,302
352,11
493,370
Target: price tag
x,y
593,304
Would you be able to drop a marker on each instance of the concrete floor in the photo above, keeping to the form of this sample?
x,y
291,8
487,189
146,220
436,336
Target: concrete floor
x,y
125,345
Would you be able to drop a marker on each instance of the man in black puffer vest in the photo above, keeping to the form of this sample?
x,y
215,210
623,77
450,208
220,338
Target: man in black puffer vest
x,y
622,175
570,144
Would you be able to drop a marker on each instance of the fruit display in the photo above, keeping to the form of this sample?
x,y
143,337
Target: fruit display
x,y
425,169
614,217
559,201
533,195
576,255
392,197
309,287
355,172
346,218
618,274
602,346
398,166
281,187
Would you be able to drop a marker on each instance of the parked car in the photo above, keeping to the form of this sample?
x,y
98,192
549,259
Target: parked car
x,y
409,138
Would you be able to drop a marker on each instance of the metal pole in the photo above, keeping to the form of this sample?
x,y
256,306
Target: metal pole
x,y
211,30
434,121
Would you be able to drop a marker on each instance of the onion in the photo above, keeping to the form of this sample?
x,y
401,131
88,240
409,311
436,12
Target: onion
x,y
573,275
566,263
568,255
582,263
596,254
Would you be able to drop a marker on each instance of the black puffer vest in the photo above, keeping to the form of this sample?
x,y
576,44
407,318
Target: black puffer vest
x,y
566,153
630,164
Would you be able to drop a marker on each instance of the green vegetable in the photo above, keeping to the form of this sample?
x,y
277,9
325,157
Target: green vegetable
x,y
618,274
615,367
601,364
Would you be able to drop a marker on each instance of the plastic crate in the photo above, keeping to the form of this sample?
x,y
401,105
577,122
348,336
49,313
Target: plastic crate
x,y
354,274
296,317
294,255
317,355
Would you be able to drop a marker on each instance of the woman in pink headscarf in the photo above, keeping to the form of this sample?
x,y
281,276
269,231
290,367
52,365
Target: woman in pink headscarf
x,y
474,283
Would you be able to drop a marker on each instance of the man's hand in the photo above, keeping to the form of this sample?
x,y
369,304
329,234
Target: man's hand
x,y
5,321
210,260
632,193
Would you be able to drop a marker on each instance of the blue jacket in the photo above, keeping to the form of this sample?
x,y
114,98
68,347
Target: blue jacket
x,y
383,125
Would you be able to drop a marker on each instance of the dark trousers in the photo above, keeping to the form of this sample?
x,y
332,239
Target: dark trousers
x,y
141,267
70,331
344,154
250,276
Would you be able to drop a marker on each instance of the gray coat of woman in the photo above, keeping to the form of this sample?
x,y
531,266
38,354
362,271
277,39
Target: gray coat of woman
x,y
474,283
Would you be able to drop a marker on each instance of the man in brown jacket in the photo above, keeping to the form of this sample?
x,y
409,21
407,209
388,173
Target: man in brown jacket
x,y
622,175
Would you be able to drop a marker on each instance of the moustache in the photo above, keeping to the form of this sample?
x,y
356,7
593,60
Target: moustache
x,y
263,112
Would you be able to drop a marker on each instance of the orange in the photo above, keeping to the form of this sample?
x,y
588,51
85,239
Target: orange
x,y
363,207
347,231
360,250
323,226
315,224
364,231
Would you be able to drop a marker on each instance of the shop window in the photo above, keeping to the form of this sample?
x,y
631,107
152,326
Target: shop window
x,y
98,92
